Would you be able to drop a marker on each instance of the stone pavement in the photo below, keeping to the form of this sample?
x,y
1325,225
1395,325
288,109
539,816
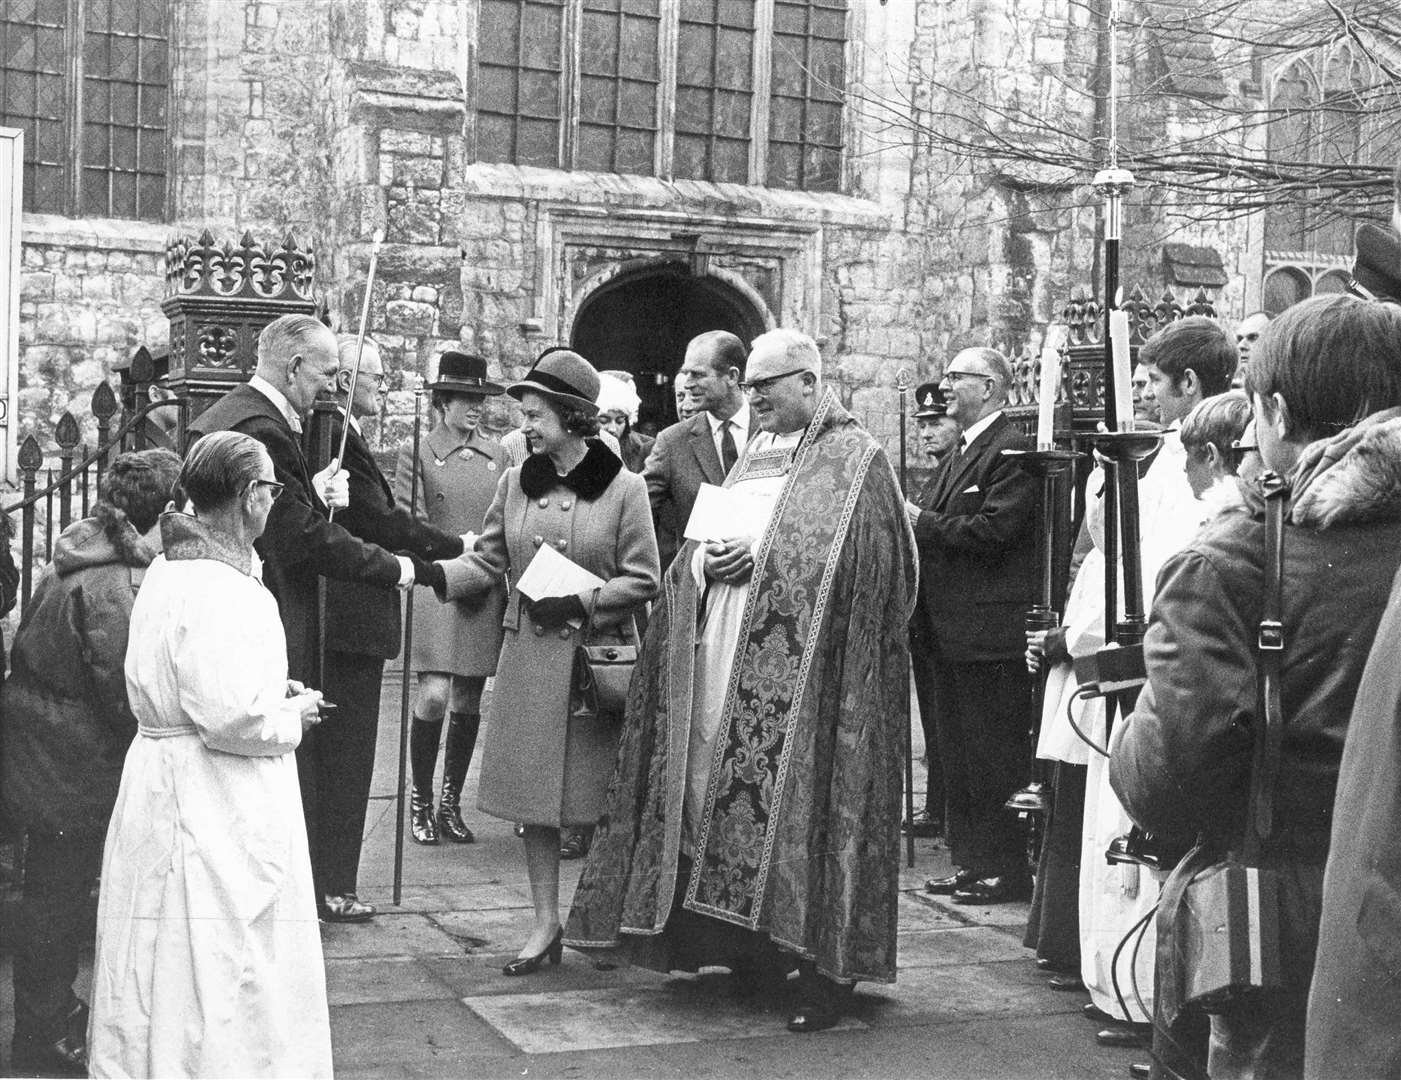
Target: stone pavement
x,y
419,991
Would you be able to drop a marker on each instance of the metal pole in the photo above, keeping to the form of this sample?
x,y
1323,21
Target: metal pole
x,y
408,674
359,351
902,384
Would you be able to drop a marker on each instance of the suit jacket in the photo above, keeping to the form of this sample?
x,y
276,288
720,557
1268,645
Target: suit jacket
x,y
977,549
362,618
682,459
299,543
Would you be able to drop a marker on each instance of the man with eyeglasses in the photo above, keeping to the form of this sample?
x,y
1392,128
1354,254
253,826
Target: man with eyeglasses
x,y
363,630
976,541
297,360
754,815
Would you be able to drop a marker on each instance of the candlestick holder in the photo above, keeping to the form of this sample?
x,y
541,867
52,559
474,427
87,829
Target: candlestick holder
x,y
1046,465
1124,449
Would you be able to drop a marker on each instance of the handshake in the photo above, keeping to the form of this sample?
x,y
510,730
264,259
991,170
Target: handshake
x,y
417,571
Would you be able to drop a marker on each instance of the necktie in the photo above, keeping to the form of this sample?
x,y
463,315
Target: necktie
x,y
728,454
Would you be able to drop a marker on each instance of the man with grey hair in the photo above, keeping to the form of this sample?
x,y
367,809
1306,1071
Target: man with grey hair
x,y
754,815
975,532
297,360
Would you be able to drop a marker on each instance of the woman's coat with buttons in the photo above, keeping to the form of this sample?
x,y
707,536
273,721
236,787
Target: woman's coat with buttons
x,y
539,767
456,483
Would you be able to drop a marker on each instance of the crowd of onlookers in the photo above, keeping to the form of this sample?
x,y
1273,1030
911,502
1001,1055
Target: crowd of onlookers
x,y
192,703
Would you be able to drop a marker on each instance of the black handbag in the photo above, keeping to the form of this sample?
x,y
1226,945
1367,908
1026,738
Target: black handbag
x,y
1221,916
599,686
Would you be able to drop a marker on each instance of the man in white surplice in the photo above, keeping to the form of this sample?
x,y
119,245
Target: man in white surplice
x,y
208,959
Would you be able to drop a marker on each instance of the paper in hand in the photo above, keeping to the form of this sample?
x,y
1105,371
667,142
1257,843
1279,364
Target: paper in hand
x,y
724,513
551,574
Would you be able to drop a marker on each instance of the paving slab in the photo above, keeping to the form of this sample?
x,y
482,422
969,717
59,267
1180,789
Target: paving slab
x,y
935,996
955,946
412,1035
387,935
480,975
677,1011
362,982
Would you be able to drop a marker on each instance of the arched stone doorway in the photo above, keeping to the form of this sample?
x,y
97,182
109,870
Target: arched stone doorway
x,y
640,321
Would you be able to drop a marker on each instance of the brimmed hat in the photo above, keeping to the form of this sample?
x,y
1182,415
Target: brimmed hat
x,y
464,374
563,375
930,401
1378,265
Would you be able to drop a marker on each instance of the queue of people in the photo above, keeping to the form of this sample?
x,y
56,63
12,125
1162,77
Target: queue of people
x,y
740,805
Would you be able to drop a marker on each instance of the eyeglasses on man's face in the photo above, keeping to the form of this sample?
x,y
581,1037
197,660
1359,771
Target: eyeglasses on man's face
x,y
274,487
951,375
763,386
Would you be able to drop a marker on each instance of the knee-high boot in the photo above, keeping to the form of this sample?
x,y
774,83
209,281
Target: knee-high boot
x,y
457,757
423,756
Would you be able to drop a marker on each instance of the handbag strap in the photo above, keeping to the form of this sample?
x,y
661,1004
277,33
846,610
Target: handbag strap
x,y
1269,735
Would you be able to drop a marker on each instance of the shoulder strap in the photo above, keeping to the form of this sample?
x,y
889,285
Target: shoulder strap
x,y
1270,733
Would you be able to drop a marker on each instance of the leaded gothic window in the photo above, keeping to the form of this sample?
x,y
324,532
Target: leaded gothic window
x,y
87,82
739,91
1322,110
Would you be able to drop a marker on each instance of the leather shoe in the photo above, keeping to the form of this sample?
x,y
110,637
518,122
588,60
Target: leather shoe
x,y
947,886
1132,1036
1093,1012
1067,981
1045,964
347,908
65,1056
811,1016
924,827
1140,1070
1000,889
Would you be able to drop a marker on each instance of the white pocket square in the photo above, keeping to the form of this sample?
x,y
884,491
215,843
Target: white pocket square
x,y
971,490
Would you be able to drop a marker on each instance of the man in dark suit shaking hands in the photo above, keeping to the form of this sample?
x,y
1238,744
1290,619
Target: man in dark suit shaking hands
x,y
976,538
362,632
703,449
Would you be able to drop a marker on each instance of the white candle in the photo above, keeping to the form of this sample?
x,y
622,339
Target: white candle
x,y
1050,384
1123,387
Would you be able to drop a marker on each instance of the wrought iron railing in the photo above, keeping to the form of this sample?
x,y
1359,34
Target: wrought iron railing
x,y
53,496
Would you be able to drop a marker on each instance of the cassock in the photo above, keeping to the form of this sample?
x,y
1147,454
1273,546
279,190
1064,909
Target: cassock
x,y
1116,896
208,958
762,741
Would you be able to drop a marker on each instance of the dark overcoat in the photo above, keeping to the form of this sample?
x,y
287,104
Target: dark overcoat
x,y
66,720
539,766
456,482
364,619
1181,761
299,543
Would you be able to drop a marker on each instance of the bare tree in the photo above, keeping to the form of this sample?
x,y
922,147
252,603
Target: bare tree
x,y
1225,107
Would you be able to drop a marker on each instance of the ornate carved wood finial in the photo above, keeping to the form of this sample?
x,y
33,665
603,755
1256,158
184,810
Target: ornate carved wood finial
x,y
248,269
219,296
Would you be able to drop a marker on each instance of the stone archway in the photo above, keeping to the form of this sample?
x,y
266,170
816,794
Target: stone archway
x,y
641,320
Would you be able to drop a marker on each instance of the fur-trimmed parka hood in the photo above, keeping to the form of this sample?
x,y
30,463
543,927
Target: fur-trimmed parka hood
x,y
104,538
1353,477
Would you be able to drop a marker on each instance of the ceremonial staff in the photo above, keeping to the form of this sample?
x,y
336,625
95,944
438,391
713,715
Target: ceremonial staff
x,y
375,242
408,663
902,384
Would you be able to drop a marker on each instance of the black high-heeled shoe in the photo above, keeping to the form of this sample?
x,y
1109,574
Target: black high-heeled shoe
x,y
529,965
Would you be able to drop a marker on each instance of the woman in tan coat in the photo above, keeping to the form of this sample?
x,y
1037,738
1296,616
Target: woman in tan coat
x,y
541,766
455,645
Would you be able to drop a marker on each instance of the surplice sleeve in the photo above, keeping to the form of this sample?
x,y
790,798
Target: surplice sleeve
x,y
231,671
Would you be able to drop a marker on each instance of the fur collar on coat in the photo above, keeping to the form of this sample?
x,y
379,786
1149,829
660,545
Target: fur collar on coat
x,y
589,479
186,537
1352,477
